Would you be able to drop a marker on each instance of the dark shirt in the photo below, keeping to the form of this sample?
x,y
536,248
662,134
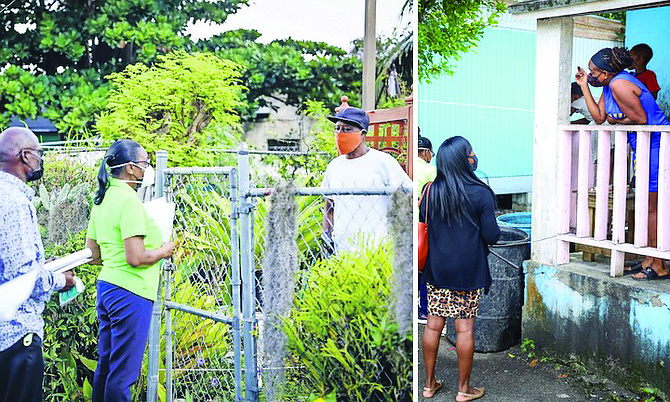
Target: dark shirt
x,y
457,255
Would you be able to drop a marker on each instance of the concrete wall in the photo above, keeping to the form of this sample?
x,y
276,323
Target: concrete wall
x,y
284,123
618,327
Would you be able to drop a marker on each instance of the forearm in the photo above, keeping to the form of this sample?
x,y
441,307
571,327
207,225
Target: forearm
x,y
96,258
328,217
137,256
46,283
145,259
592,105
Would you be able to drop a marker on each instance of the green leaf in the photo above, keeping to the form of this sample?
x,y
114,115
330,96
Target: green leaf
x,y
89,363
88,390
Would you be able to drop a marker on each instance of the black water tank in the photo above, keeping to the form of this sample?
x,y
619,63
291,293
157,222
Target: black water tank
x,y
498,323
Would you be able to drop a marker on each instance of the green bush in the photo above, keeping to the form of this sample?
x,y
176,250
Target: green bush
x,y
176,104
342,333
71,334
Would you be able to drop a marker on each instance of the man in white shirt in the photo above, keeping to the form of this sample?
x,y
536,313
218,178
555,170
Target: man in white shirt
x,y
349,219
578,104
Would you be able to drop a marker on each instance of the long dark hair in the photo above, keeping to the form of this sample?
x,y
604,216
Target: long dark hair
x,y
120,152
448,198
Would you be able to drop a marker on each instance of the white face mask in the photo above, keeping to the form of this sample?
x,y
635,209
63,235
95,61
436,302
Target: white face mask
x,y
149,177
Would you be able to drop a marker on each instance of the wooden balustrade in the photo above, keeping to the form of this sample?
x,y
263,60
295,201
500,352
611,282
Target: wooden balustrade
x,y
597,236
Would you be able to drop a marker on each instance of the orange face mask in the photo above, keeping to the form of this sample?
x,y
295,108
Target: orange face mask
x,y
347,142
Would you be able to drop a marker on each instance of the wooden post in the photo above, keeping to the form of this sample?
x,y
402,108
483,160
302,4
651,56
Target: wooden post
x,y
343,105
411,139
552,105
602,186
642,188
663,222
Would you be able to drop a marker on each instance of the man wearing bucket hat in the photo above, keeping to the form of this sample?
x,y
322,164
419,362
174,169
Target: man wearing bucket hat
x,y
425,172
347,218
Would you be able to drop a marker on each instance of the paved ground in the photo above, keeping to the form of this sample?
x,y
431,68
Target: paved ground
x,y
508,377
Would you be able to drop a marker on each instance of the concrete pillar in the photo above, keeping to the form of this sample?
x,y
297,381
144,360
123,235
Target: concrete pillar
x,y
369,55
553,76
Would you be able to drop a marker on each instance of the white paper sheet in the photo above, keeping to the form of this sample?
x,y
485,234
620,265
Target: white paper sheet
x,y
162,212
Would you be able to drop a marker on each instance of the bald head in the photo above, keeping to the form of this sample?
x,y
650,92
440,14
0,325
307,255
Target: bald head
x,y
13,140
19,154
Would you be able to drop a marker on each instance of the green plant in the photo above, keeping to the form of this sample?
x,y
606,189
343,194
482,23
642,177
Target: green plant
x,y
528,347
341,331
651,393
447,29
173,105
70,334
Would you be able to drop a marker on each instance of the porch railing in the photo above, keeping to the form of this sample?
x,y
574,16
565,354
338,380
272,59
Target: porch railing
x,y
575,172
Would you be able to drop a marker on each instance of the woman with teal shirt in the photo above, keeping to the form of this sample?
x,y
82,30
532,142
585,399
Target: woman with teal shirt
x,y
627,101
128,244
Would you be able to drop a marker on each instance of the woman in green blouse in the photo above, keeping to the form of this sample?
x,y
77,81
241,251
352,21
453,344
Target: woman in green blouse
x,y
128,244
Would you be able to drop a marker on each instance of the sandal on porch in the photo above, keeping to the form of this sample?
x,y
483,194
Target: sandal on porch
x,y
651,275
479,392
633,269
430,392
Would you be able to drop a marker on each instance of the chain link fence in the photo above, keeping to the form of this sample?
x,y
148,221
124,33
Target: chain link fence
x,y
254,311
202,288
342,330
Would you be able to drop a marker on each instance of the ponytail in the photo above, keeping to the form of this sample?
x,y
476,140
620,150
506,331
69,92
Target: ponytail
x,y
118,154
103,180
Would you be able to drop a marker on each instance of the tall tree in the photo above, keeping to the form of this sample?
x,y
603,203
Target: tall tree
x,y
59,51
447,29
56,55
292,71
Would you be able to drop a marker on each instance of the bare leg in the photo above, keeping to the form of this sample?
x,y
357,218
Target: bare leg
x,y
431,343
656,264
465,350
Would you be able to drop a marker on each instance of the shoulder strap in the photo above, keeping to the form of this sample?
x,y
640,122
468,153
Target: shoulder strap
x,y
426,190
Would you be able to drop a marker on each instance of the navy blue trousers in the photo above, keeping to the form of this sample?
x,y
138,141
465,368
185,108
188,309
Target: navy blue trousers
x,y
21,372
124,329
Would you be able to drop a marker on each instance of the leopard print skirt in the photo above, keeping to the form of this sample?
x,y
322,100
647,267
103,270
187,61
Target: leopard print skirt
x,y
453,303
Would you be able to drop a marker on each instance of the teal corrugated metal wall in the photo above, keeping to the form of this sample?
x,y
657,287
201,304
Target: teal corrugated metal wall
x,y
490,98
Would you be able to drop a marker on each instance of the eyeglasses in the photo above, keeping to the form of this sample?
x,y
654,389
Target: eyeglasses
x,y
600,72
145,163
39,152
346,129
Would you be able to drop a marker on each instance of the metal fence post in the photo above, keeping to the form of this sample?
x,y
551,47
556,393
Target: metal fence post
x,y
154,329
248,276
236,283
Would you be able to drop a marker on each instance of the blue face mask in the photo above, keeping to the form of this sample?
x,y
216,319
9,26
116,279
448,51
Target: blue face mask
x,y
593,81
473,165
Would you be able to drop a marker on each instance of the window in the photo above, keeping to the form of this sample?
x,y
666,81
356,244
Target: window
x,y
283,145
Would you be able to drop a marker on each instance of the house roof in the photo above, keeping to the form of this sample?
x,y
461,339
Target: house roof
x,y
39,125
564,8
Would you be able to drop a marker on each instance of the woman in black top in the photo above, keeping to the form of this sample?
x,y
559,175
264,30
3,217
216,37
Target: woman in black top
x,y
461,222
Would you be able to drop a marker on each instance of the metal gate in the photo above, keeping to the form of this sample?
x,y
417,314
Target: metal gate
x,y
205,336
206,321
